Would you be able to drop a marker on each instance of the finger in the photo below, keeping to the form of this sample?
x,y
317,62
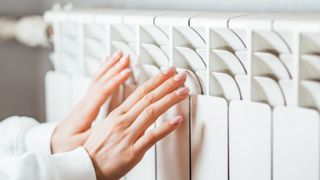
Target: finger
x,y
94,103
145,88
115,82
108,64
116,99
154,111
153,136
118,67
158,93
108,88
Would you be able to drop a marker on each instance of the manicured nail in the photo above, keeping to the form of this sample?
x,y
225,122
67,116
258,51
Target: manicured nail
x,y
180,76
168,70
182,91
106,58
117,54
177,120
124,59
125,71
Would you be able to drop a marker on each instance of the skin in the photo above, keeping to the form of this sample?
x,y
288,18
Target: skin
x,y
73,131
120,141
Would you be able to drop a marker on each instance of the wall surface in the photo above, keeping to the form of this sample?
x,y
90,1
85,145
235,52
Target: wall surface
x,y
22,80
17,71
217,5
22,69
20,7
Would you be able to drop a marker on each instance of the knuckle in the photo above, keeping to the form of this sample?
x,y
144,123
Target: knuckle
x,y
116,112
113,113
120,125
121,110
141,91
130,158
104,90
149,99
152,138
150,111
124,121
171,83
159,77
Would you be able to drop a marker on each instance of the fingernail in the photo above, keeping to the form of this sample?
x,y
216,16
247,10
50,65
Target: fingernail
x,y
168,70
180,76
125,71
117,54
124,59
182,91
107,58
177,120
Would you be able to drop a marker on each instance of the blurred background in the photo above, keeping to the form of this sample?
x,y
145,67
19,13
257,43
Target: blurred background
x,y
22,68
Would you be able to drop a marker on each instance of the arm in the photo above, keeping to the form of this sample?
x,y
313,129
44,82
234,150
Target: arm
x,y
120,141
21,134
75,164
26,145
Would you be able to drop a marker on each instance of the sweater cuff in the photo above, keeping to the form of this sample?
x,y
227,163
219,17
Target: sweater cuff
x,y
38,138
75,164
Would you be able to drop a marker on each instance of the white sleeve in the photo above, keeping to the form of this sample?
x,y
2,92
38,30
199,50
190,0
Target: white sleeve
x,y
75,164
21,134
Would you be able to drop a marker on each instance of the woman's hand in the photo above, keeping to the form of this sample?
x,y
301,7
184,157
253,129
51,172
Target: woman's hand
x,y
120,141
75,129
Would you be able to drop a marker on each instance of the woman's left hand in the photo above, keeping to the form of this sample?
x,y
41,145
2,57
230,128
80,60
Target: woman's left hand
x,y
73,131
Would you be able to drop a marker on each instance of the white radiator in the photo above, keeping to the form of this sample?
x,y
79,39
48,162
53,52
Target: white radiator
x,y
254,79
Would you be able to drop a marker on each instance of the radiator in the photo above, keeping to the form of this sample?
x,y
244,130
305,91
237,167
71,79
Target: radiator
x,y
254,79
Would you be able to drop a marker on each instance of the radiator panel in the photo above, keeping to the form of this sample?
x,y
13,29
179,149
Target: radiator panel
x,y
253,110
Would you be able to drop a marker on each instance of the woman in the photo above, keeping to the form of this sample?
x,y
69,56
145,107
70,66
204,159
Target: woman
x,y
73,149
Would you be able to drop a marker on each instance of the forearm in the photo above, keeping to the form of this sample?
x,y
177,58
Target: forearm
x,y
21,134
75,164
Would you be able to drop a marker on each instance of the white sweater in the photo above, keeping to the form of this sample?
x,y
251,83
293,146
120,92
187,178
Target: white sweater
x,y
25,154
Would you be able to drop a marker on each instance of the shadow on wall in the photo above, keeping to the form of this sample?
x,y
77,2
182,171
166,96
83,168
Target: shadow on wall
x,y
20,7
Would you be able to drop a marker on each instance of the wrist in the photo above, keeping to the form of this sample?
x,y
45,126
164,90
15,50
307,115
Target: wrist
x,y
54,141
39,138
75,164
97,170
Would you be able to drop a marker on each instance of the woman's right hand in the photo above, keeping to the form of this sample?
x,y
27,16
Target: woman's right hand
x,y
74,130
121,140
